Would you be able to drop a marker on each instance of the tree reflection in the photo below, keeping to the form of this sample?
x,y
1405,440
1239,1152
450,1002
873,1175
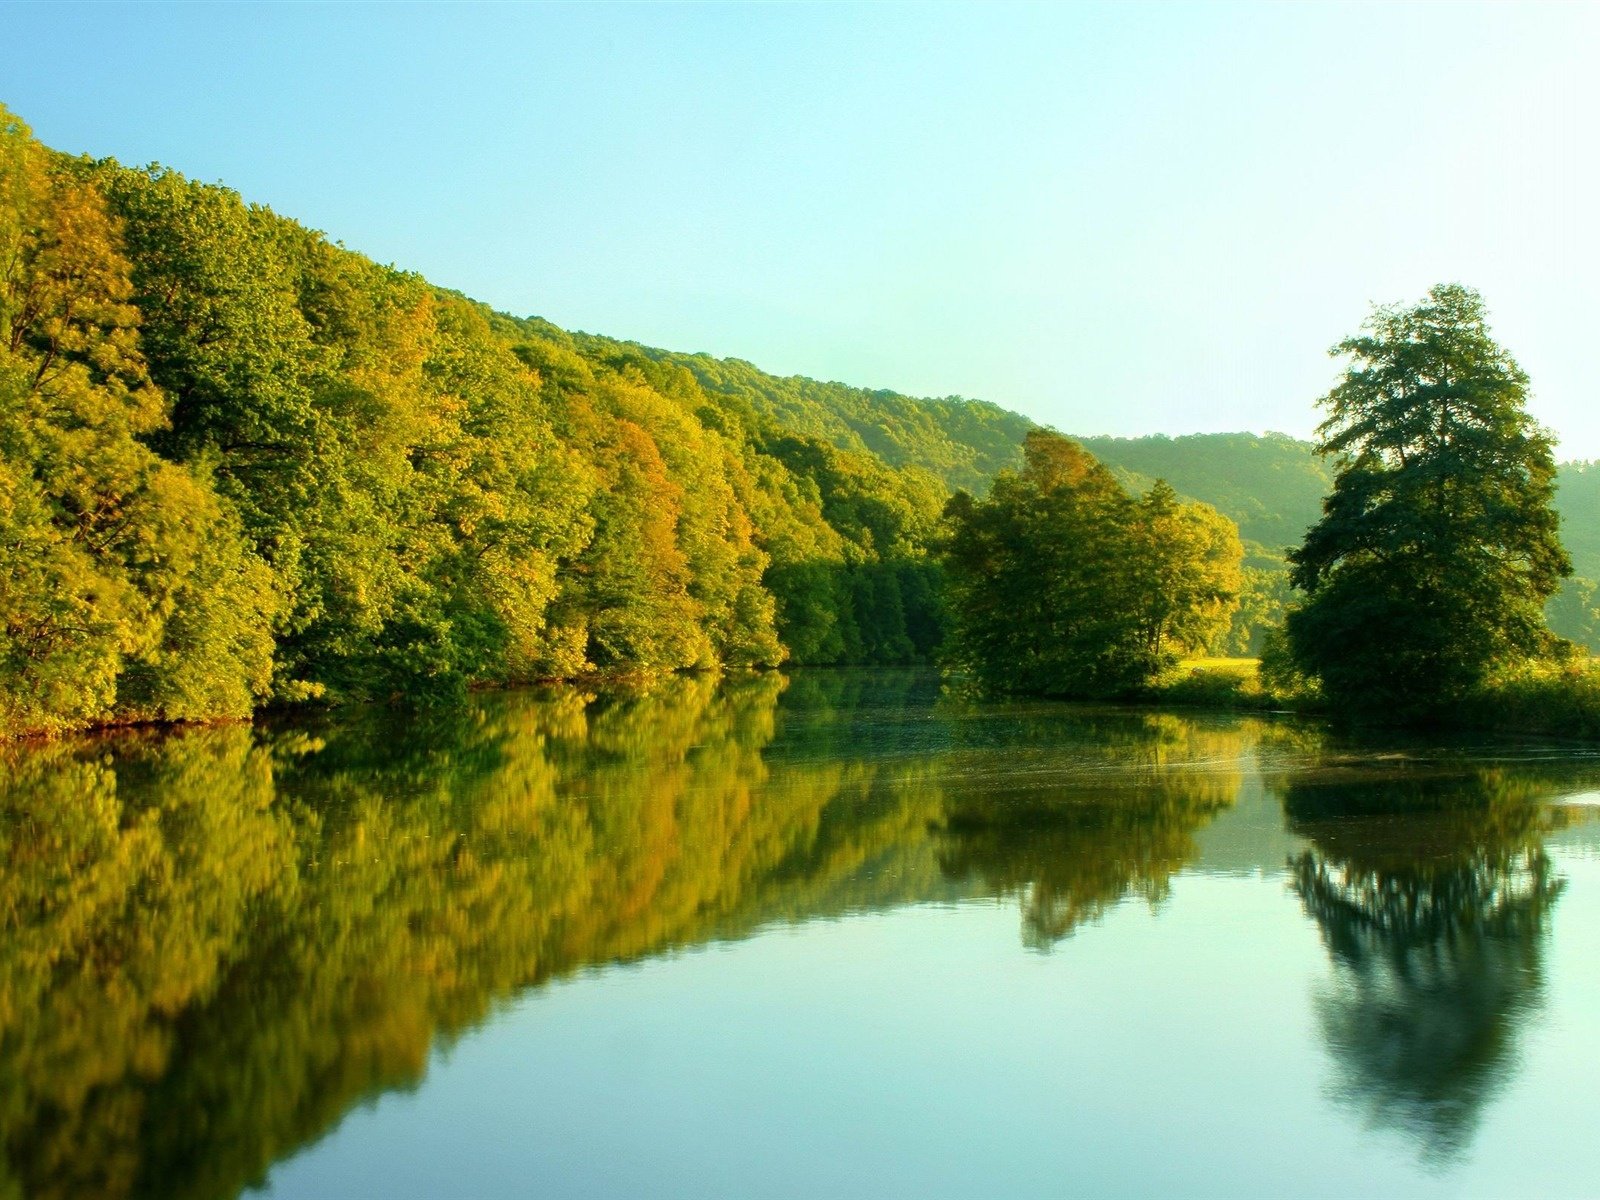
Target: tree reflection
x,y
1433,893
1075,818
214,944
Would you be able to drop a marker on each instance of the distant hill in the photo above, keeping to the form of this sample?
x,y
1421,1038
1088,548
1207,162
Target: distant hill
x,y
964,443
1272,485
1578,502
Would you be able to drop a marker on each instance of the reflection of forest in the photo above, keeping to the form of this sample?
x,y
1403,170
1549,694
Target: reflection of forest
x,y
213,944
1433,893
216,942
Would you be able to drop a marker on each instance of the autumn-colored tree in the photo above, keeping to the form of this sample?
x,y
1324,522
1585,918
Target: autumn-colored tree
x,y
1063,584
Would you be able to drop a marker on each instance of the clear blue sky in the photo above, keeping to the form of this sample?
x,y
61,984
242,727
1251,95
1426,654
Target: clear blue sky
x,y
1115,219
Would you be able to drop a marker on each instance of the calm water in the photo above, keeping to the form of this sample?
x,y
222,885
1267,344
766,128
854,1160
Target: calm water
x,y
831,936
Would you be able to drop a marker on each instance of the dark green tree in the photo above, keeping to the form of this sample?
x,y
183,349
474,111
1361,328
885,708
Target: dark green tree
x,y
1060,583
1438,546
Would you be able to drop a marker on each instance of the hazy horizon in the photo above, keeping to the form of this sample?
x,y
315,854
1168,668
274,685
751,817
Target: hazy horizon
x,y
1115,220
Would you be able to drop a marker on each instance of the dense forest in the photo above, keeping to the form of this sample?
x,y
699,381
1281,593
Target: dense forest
x,y
240,464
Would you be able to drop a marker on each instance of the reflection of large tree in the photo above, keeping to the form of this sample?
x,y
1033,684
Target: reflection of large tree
x,y
1074,818
1432,891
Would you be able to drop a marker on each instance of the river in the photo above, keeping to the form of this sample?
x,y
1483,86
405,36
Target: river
x,y
833,934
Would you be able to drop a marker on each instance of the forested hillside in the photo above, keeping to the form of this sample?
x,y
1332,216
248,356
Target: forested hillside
x,y
240,464
963,442
1271,485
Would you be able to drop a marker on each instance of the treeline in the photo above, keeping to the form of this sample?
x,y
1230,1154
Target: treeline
x,y
241,464
1273,486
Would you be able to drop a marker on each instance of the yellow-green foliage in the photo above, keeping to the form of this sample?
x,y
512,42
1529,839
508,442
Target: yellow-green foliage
x,y
127,590
239,463
1560,698
1215,683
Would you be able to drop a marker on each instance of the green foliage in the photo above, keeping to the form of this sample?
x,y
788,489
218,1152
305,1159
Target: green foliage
x,y
963,443
1271,486
1060,583
1555,697
1264,598
1184,571
1214,683
238,463
127,591
1437,548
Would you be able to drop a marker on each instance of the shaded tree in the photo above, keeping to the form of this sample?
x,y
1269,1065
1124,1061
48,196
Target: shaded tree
x,y
1437,547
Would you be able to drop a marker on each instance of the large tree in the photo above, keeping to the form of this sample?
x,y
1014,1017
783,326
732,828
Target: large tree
x,y
1060,583
1438,545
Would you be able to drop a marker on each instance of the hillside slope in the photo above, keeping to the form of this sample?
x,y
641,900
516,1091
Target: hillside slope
x,y
1272,486
242,464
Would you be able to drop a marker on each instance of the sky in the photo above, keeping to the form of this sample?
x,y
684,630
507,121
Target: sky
x,y
1116,219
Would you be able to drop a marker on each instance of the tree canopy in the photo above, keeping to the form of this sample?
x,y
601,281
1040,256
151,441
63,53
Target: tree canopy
x,y
1061,583
241,464
1438,547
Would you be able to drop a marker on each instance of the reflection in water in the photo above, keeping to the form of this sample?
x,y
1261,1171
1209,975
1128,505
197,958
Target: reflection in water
x,y
214,944
1433,892
1076,819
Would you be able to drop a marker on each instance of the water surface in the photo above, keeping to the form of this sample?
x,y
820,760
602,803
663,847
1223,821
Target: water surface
x,y
834,935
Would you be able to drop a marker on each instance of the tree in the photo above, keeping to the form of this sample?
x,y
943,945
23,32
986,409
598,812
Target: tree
x,y
1060,583
126,590
1185,569
1438,546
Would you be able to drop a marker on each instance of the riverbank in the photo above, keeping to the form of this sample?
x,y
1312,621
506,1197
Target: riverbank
x,y
1555,699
